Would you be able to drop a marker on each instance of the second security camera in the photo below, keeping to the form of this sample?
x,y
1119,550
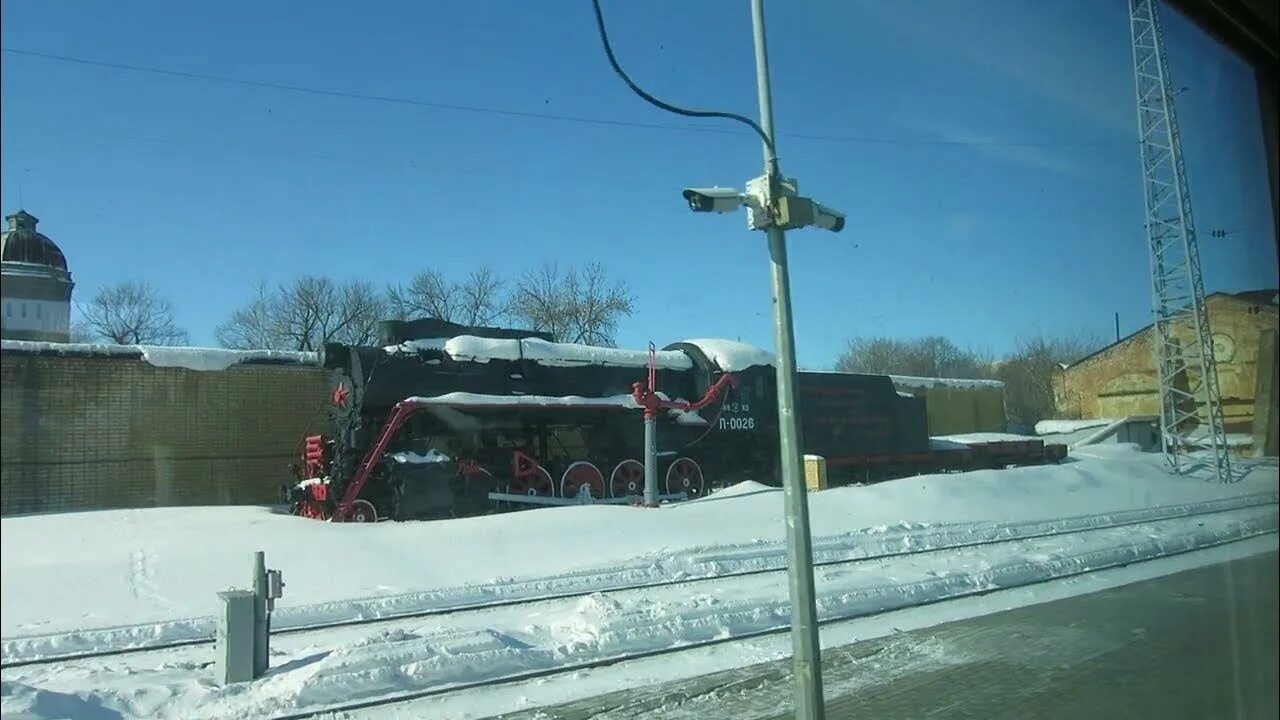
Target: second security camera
x,y
719,200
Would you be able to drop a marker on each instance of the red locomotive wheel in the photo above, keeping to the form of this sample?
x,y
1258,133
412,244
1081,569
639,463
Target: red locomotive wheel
x,y
361,511
627,479
539,483
685,476
582,473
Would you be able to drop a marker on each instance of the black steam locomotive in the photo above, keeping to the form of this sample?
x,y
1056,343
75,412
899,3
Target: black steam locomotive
x,y
440,419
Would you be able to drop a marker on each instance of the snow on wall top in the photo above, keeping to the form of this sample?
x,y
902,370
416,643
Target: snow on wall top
x,y
477,349
191,358
732,356
910,381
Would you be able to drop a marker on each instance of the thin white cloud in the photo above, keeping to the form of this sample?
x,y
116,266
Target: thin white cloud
x,y
1083,70
1038,157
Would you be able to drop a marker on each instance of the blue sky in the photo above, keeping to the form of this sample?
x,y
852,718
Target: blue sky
x,y
983,150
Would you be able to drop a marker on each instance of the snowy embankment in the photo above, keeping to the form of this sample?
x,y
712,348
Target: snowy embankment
x,y
354,665
64,572
166,563
152,574
651,570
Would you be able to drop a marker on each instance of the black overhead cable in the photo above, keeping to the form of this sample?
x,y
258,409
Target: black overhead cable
x,y
613,61
859,139
347,94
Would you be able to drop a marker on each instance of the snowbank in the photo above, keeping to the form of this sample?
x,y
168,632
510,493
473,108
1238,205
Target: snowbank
x,y
732,356
191,358
78,581
723,561
746,487
353,664
166,563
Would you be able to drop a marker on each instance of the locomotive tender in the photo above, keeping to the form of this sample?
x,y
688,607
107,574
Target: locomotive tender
x,y
440,417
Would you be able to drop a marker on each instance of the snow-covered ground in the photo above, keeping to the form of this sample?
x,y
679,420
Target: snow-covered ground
x,y
167,563
157,570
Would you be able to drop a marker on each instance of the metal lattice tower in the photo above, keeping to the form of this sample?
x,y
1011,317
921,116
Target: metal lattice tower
x,y
1190,405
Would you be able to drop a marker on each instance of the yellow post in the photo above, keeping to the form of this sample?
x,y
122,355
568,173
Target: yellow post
x,y
815,472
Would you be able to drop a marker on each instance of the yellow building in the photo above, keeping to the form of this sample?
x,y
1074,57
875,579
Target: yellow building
x,y
954,406
1120,380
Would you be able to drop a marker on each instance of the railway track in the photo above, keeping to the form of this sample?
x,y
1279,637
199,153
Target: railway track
x,y
997,534
602,662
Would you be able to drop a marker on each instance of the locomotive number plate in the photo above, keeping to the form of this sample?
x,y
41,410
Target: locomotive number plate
x,y
738,423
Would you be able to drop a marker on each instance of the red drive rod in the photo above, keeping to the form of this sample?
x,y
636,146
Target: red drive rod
x,y
648,399
646,394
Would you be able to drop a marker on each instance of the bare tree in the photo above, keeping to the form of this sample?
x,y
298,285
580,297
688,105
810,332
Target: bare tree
x,y
1028,375
481,299
132,313
253,326
478,300
427,295
580,306
926,357
80,332
304,315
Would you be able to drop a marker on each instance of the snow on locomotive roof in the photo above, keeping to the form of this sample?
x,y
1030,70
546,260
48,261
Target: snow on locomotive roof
x,y
466,399
191,358
477,349
625,402
731,355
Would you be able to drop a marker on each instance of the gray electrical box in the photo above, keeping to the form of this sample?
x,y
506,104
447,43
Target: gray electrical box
x,y
234,661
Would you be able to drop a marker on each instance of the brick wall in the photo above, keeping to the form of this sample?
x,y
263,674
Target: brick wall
x,y
1121,380
96,432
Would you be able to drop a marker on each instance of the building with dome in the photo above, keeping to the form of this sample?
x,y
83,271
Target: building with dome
x,y
35,286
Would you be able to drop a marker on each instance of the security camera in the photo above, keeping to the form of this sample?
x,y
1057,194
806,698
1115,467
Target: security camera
x,y
791,213
827,219
719,200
